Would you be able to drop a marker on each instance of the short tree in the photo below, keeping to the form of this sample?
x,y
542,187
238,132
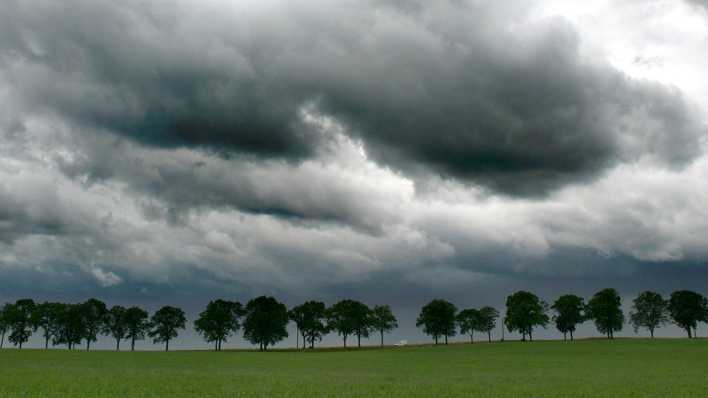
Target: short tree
x,y
524,312
71,326
94,317
219,321
115,325
137,325
350,317
687,308
383,320
437,318
265,322
4,324
20,321
166,323
47,317
488,321
605,309
469,320
570,311
310,318
649,311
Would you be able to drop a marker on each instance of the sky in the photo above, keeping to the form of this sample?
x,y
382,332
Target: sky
x,y
388,151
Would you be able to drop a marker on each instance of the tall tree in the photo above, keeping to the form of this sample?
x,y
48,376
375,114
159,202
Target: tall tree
x,y
437,318
649,311
71,326
605,309
383,320
469,320
687,308
137,325
20,320
4,323
488,321
311,318
115,324
94,316
570,311
47,317
266,321
350,317
524,312
219,321
166,323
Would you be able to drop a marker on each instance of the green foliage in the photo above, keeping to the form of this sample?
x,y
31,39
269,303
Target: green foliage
x,y
137,325
94,314
383,320
687,308
219,321
350,317
605,309
47,316
71,325
4,323
20,321
266,321
469,320
310,318
437,318
166,323
570,311
115,325
524,312
488,320
649,311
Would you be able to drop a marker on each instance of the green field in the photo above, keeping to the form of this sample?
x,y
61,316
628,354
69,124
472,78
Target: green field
x,y
590,368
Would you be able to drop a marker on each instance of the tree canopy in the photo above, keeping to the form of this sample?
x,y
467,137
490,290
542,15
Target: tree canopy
x,y
437,318
488,321
310,318
524,312
605,309
166,323
570,311
94,314
115,325
350,317
687,308
265,322
649,311
383,320
218,321
469,320
137,325
19,317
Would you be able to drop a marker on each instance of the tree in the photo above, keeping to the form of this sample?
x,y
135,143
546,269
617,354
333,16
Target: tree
x,y
47,317
166,323
524,312
569,310
218,321
649,311
488,320
266,322
469,320
20,321
383,320
115,324
687,308
71,326
350,317
437,319
605,309
94,317
4,324
310,318
137,325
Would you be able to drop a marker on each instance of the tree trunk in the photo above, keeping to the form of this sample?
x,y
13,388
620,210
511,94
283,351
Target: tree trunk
x,y
46,343
20,344
436,340
489,335
304,341
565,337
530,336
345,341
571,335
688,329
88,344
445,339
132,344
167,345
381,331
117,344
651,331
2,340
471,339
358,339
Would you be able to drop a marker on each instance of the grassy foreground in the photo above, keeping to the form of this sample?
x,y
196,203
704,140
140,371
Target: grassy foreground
x,y
590,368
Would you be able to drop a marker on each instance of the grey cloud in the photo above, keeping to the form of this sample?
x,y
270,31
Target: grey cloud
x,y
455,88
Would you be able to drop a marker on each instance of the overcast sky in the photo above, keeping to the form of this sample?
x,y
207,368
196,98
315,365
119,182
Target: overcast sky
x,y
384,150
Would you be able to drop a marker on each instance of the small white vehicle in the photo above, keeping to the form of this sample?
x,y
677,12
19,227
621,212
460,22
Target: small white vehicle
x,y
401,343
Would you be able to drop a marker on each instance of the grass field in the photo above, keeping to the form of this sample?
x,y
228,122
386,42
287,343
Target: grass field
x,y
590,368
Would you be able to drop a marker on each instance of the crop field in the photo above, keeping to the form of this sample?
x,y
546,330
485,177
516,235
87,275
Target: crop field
x,y
588,368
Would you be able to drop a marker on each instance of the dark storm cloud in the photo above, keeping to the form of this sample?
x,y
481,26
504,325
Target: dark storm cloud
x,y
455,88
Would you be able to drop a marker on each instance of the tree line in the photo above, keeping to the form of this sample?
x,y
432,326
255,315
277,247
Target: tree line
x,y
525,311
264,320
